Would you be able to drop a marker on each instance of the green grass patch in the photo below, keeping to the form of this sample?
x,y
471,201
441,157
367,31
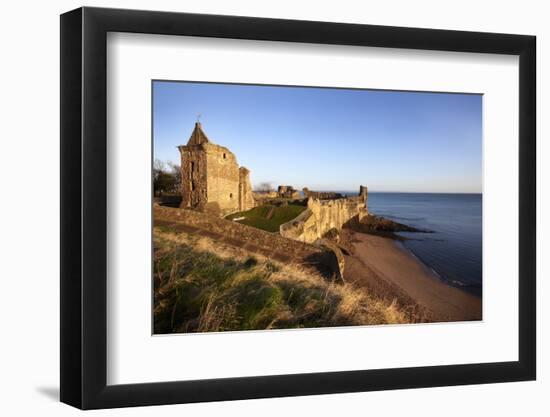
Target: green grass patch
x,y
268,217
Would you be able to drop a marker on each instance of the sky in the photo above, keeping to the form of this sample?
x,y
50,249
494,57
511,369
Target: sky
x,y
330,138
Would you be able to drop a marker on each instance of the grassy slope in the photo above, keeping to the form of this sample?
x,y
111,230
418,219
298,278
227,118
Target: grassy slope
x,y
201,285
258,216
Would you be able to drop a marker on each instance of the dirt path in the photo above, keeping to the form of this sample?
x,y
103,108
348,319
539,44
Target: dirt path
x,y
397,268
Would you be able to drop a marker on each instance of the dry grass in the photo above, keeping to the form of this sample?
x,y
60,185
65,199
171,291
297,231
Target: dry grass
x,y
205,286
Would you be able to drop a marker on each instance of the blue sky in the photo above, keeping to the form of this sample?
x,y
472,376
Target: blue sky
x,y
330,139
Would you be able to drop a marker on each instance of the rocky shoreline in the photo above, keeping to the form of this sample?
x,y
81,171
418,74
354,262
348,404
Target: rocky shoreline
x,y
381,226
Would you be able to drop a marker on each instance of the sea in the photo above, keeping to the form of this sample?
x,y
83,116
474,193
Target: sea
x,y
454,249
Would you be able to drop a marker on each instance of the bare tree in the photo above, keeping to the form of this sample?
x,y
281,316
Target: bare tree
x,y
158,166
165,180
265,187
175,171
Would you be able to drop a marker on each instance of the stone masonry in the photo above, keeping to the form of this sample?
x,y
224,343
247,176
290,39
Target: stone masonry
x,y
321,216
287,191
211,179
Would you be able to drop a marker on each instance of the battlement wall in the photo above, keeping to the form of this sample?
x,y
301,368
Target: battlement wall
x,y
322,216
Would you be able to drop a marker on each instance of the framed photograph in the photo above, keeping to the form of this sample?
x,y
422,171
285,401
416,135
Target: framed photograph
x,y
257,208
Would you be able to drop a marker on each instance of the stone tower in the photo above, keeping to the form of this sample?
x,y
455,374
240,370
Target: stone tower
x,y
211,179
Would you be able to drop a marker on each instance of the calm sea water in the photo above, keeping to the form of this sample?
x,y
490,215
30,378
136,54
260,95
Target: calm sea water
x,y
454,250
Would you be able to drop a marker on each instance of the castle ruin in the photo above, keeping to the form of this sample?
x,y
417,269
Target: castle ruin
x,y
211,179
325,214
287,191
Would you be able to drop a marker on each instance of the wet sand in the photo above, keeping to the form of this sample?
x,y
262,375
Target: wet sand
x,y
391,262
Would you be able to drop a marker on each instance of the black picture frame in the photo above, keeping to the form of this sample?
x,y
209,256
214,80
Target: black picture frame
x,y
84,207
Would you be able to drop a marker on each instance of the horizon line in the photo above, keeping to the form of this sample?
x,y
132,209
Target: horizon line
x,y
389,192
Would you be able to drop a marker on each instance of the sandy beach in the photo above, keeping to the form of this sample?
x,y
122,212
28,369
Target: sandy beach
x,y
384,265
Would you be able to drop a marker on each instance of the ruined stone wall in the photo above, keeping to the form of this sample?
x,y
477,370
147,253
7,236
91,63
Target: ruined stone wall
x,y
246,199
212,180
303,228
287,191
230,228
323,195
322,216
260,197
222,180
333,214
193,177
364,194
